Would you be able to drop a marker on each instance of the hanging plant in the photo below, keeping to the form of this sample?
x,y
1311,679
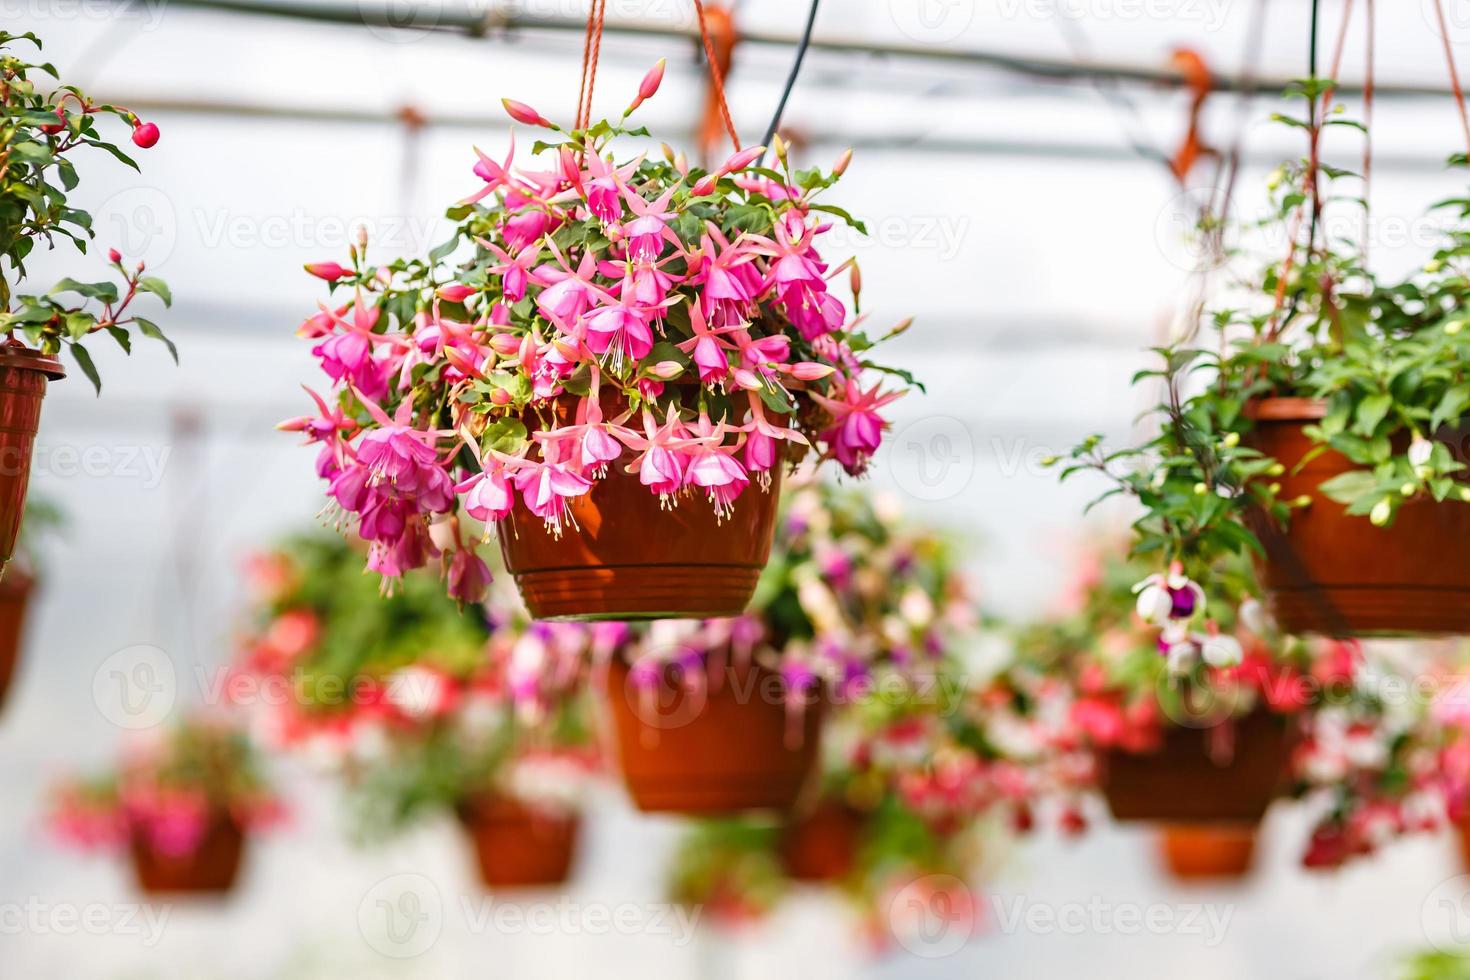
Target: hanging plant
x,y
40,133
616,376
725,715
423,708
1202,732
1316,425
182,806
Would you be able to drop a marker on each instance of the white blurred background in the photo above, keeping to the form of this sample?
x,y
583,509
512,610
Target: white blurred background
x,y
1040,255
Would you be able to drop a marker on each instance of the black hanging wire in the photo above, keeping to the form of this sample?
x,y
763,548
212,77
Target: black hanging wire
x,y
806,40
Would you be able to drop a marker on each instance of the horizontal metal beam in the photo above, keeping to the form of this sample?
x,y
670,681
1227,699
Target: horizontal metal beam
x,y
499,20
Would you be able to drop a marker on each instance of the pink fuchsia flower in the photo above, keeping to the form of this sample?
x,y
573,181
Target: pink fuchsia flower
x,y
729,276
546,488
514,271
662,459
649,232
707,348
469,576
527,227
568,294
858,428
495,175
487,495
410,548
603,186
738,162
762,437
714,467
620,333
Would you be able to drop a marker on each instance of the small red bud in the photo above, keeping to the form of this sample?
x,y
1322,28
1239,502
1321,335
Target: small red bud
x,y
145,135
51,129
114,256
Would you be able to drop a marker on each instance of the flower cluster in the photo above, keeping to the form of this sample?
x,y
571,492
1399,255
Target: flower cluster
x,y
636,317
168,792
415,701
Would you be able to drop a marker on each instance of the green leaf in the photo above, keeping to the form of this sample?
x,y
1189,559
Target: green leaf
x,y
1350,486
1371,411
503,435
150,329
84,360
152,284
123,340
839,212
104,291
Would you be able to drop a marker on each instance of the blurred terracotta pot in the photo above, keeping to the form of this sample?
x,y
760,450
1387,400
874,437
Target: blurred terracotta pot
x,y
24,375
1228,773
211,868
719,743
518,848
1192,852
15,598
1338,575
822,846
623,556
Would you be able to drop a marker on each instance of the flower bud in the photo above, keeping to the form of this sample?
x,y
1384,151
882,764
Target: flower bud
x,y
1380,513
1454,327
1408,490
500,397
506,345
1465,494
1275,469
1200,489
811,370
1420,450
51,129
523,113
743,159
704,188
855,279
780,147
649,85
454,292
1231,440
1433,266
330,271
840,167
1305,500
145,134
114,256
666,370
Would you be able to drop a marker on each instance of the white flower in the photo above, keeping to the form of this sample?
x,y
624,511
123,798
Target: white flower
x,y
1182,656
1154,602
917,608
1253,616
1221,651
1420,450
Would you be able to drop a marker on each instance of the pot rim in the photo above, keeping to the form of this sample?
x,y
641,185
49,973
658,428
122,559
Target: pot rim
x,y
24,358
1286,409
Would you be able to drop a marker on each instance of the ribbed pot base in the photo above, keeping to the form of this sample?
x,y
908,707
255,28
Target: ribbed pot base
x,y
639,592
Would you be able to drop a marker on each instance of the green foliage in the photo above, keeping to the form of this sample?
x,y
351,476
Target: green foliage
x,y
39,131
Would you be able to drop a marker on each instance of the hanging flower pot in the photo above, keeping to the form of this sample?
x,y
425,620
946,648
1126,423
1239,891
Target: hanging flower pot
x,y
822,846
517,847
1230,772
15,597
626,554
1338,574
721,737
1193,852
209,867
24,375
613,378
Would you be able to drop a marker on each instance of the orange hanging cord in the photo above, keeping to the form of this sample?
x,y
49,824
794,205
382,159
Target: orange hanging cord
x,y
591,54
718,55
1449,56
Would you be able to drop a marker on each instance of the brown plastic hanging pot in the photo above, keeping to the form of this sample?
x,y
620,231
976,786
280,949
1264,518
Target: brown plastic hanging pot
x,y
624,556
1330,573
1194,852
23,378
515,847
15,598
822,846
211,868
725,743
1202,775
